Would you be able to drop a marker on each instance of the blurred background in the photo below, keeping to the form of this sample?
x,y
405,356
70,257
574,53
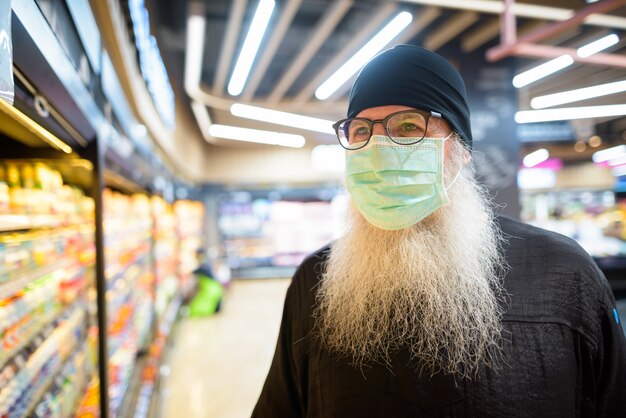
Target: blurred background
x,y
166,165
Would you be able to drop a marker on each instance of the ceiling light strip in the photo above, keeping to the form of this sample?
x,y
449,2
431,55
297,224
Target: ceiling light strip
x,y
597,46
326,25
194,51
426,17
280,29
569,113
557,64
228,45
283,118
541,71
525,10
250,46
254,135
550,100
378,19
367,52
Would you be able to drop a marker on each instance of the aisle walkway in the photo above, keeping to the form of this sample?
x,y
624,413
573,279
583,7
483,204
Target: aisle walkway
x,y
219,364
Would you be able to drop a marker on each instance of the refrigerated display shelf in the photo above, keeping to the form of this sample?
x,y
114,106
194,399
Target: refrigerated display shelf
x,y
146,402
88,404
31,335
143,336
10,223
121,274
56,368
169,313
131,395
115,400
115,269
13,286
38,396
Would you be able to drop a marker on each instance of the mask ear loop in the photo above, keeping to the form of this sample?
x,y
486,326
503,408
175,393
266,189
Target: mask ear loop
x,y
456,176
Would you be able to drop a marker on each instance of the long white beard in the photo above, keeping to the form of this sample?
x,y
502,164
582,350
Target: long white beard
x,y
434,288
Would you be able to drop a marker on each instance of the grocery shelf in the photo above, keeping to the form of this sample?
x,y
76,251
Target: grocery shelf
x,y
13,286
38,396
32,334
65,166
10,223
85,403
146,402
129,401
56,362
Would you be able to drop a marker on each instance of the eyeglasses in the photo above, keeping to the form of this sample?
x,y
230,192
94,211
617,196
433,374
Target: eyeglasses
x,y
406,127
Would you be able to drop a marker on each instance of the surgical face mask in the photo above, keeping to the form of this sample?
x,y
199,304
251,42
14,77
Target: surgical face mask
x,y
395,186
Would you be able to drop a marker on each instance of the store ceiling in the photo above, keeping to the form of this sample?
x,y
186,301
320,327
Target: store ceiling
x,y
275,82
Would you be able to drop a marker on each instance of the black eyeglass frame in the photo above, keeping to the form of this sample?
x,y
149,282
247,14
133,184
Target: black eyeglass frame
x,y
370,123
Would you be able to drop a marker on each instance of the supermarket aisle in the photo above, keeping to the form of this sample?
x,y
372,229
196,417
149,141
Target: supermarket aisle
x,y
219,364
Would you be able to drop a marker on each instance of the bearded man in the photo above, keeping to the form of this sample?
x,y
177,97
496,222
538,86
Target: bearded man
x,y
430,304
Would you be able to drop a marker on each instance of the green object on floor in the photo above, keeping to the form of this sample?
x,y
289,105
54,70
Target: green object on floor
x,y
207,300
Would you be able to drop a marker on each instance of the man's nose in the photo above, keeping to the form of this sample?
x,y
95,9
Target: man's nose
x,y
378,129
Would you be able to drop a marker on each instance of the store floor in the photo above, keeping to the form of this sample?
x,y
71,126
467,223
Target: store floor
x,y
218,364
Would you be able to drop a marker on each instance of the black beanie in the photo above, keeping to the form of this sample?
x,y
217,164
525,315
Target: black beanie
x,y
412,76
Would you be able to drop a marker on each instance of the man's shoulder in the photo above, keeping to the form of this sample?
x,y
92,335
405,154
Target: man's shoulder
x,y
551,276
316,258
528,242
309,271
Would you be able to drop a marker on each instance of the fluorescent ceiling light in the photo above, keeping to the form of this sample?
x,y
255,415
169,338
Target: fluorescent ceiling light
x,y
541,71
367,52
563,61
536,157
250,47
194,50
608,154
597,46
282,118
569,113
254,135
555,99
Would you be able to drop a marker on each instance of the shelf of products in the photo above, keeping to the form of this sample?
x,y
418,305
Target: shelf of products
x,y
47,297
166,246
150,376
594,218
260,233
149,260
189,220
49,334
130,286
33,195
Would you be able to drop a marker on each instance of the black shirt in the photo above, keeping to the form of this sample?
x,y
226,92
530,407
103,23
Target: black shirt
x,y
564,350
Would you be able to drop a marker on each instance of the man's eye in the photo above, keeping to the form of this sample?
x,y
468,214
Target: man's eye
x,y
408,127
360,131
